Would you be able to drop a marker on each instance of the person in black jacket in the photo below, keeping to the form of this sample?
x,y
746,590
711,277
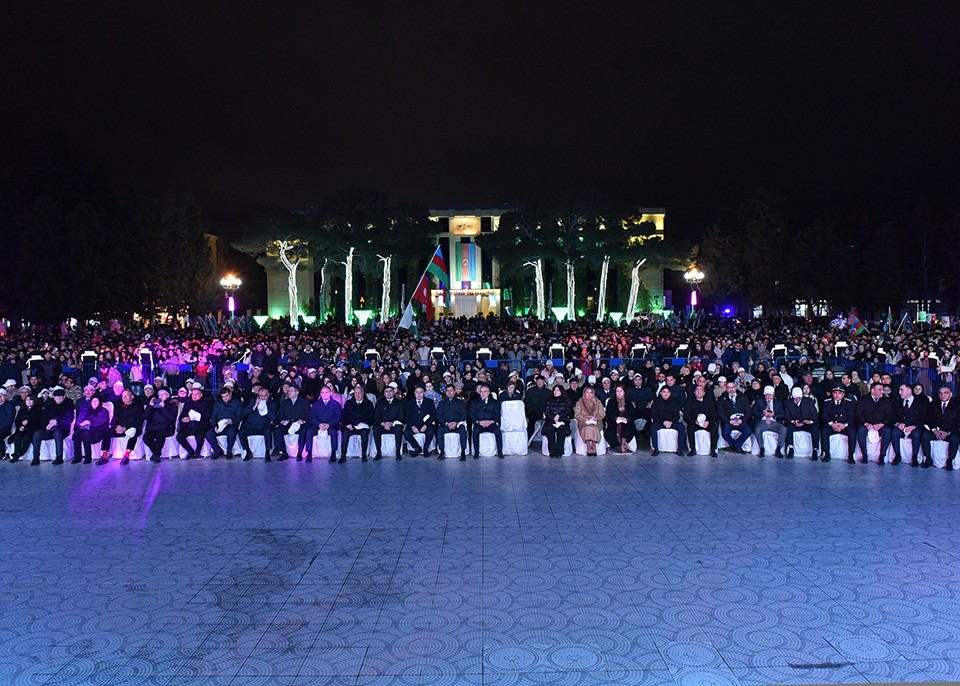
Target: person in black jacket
x,y
485,415
227,413
294,412
56,418
7,411
452,418
357,420
700,414
942,424
388,419
642,398
768,417
420,415
666,413
534,401
908,423
26,423
800,414
194,420
127,423
258,418
734,410
556,421
161,416
874,413
837,415
618,420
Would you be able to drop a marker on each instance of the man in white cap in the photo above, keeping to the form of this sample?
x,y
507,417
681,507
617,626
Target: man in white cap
x,y
800,414
194,420
768,417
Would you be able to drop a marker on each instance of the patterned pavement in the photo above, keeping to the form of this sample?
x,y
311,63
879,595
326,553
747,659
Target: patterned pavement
x,y
610,570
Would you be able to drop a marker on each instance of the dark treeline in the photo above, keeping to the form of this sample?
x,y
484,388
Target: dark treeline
x,y
74,250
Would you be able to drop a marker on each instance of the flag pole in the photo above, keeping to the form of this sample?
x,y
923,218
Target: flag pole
x,y
410,301
902,320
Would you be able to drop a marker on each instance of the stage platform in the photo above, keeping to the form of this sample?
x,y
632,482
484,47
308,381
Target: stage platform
x,y
610,570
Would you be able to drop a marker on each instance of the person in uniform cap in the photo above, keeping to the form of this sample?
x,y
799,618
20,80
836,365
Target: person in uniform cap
x,y
837,418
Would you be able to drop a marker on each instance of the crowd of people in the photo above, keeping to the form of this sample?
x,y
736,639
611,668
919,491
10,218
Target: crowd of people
x,y
613,388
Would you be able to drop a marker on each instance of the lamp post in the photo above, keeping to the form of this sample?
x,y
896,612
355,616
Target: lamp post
x,y
693,276
231,285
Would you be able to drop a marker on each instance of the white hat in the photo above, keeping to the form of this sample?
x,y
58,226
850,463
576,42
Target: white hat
x,y
118,383
712,367
3,391
160,379
195,386
722,379
163,389
697,373
797,392
592,379
393,385
9,382
230,382
768,390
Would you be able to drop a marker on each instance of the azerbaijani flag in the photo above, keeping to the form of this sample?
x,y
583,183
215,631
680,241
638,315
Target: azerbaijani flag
x,y
888,325
856,326
422,295
438,268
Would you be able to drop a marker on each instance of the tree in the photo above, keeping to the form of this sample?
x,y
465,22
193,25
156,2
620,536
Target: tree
x,y
349,221
285,238
519,243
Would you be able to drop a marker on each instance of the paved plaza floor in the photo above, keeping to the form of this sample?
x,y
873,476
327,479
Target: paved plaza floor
x,y
610,570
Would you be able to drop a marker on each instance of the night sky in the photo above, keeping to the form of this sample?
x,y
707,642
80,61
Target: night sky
x,y
246,106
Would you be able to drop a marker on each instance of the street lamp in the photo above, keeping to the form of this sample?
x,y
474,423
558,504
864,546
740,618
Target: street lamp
x,y
693,276
231,285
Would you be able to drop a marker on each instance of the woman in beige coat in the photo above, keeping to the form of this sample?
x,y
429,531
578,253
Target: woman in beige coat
x,y
589,414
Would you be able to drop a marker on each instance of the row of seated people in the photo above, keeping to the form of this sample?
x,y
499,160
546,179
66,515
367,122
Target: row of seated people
x,y
873,418
414,422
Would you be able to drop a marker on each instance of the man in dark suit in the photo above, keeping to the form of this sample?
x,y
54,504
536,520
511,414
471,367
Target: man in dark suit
x,y
485,415
700,414
943,424
294,410
667,413
800,414
642,398
768,417
194,420
734,411
421,416
258,418
874,413
911,411
388,418
357,419
325,415
837,415
452,418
